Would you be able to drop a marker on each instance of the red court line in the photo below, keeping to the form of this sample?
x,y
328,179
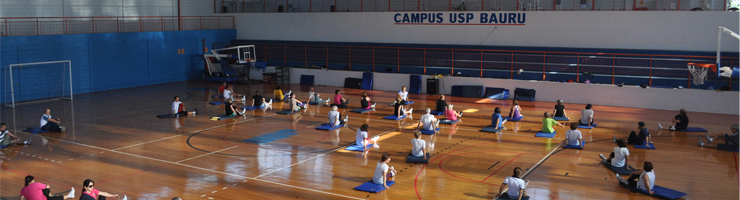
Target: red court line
x,y
45,180
734,156
499,169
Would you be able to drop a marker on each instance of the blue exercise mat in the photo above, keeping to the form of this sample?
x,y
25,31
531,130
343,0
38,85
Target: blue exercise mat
x,y
414,159
434,112
409,103
220,117
428,132
547,135
394,117
626,170
694,129
515,119
506,196
286,112
561,119
491,129
586,126
361,110
372,187
35,130
575,146
216,102
168,116
659,192
329,127
272,137
444,121
356,147
652,146
252,107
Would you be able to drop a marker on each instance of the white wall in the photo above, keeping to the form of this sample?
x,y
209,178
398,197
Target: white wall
x,y
98,8
638,30
709,101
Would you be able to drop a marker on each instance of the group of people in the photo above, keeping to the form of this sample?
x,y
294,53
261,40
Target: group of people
x,y
39,191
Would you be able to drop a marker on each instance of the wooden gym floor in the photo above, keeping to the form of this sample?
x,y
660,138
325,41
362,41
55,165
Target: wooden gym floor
x,y
114,138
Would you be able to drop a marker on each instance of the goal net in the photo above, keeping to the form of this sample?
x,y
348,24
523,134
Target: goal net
x,y
39,82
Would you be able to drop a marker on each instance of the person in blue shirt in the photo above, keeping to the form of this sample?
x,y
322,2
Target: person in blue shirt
x,y
496,120
643,138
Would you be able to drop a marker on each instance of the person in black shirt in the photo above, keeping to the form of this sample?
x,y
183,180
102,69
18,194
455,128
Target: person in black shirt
x,y
259,101
643,138
441,103
680,121
559,109
365,102
230,109
398,109
731,141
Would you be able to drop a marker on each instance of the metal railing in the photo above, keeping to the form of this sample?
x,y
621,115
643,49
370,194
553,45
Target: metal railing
x,y
545,66
258,6
24,26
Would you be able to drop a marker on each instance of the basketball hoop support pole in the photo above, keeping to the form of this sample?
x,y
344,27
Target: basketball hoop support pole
x,y
719,40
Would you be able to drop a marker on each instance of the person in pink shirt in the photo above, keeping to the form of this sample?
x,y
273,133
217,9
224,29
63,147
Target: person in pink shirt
x,y
451,114
39,191
90,193
339,100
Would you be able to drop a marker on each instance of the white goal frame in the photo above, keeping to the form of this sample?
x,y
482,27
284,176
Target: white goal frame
x,y
719,44
13,103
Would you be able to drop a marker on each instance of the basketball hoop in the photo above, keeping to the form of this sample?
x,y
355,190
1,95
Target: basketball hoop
x,y
699,71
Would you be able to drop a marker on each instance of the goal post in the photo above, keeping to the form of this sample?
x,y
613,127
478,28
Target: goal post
x,y
38,82
719,45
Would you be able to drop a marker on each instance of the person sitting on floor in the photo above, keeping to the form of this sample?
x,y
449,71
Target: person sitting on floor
x,y
451,114
515,184
587,116
496,120
339,100
178,108
39,191
230,109
515,111
428,121
418,146
229,94
441,104
383,172
548,122
403,94
49,123
559,109
294,103
7,138
363,138
277,94
643,138
573,136
680,122
221,89
618,157
645,178
334,117
90,193
313,98
365,102
731,141
259,101
399,109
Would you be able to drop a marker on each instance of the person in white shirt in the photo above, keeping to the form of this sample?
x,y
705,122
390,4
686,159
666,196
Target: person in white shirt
x,y
313,98
8,138
383,172
587,116
178,108
645,178
428,121
334,117
363,138
573,136
49,123
618,158
418,146
403,94
516,186
229,94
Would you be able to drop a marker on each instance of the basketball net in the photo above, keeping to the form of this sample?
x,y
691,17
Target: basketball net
x,y
698,73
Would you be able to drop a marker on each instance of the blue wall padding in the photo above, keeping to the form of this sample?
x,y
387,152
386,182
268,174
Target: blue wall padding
x,y
367,81
415,84
307,79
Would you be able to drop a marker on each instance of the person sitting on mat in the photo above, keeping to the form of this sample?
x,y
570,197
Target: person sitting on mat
x,y
403,94
383,172
515,184
573,136
230,109
259,101
339,100
229,94
7,138
645,178
363,139
277,94
294,107
334,117
178,108
221,89
587,116
680,122
559,109
90,193
643,138
38,191
428,121
49,123
418,146
496,120
515,111
618,158
399,109
441,104
313,98
731,141
365,102
451,114
548,122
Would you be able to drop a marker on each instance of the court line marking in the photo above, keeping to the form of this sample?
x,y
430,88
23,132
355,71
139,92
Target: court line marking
x,y
198,131
206,154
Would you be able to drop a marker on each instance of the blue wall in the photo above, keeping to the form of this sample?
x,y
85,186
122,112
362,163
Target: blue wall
x,y
105,61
